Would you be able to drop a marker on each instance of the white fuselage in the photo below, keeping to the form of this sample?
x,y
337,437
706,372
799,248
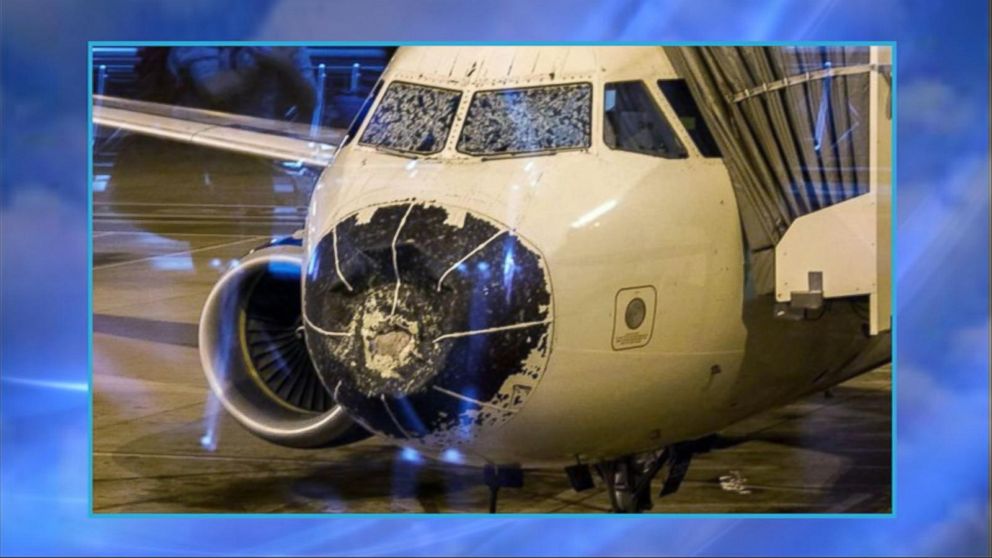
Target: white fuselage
x,y
604,220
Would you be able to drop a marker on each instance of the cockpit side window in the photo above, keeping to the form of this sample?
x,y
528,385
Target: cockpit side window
x,y
412,118
633,122
678,95
528,120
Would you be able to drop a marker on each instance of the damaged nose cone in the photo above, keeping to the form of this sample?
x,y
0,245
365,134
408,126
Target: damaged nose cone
x,y
390,352
394,352
429,323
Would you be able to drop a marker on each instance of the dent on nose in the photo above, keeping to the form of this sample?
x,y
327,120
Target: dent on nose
x,y
428,322
390,344
390,349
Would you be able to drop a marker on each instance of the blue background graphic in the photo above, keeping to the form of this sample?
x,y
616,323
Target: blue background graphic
x,y
942,492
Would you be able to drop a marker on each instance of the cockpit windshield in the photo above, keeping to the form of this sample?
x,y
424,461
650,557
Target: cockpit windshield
x,y
412,118
527,120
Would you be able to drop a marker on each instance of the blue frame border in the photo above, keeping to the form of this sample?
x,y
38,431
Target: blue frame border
x,y
403,515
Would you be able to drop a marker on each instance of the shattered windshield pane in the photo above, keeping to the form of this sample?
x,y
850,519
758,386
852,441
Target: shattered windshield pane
x,y
511,121
412,118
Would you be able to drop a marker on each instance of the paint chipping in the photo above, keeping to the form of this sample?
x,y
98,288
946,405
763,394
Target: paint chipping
x,y
365,216
416,363
455,218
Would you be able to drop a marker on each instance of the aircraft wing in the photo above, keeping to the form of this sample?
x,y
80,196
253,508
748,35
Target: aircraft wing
x,y
313,145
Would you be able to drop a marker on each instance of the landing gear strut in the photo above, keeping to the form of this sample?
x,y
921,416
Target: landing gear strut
x,y
628,479
496,477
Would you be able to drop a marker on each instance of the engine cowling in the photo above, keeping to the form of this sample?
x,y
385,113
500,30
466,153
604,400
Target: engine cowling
x,y
255,357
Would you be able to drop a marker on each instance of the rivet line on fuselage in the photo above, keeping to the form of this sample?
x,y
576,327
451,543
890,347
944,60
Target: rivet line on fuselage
x,y
337,265
396,269
393,417
467,256
457,395
323,331
491,330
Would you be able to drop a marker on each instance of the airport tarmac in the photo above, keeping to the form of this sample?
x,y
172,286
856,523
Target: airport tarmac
x,y
161,444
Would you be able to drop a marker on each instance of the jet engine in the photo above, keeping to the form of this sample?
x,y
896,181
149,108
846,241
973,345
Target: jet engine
x,y
255,357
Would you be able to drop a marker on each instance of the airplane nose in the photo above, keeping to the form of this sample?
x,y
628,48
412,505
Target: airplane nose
x,y
427,322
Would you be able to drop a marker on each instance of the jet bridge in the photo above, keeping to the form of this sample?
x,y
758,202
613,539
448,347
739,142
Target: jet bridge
x,y
806,134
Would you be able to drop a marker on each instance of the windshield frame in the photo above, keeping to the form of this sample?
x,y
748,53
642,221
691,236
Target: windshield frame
x,y
441,144
529,153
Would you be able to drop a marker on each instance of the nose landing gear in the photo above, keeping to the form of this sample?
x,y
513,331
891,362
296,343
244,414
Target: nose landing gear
x,y
495,477
628,479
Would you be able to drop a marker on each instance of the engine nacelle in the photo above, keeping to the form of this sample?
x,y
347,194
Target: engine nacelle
x,y
255,357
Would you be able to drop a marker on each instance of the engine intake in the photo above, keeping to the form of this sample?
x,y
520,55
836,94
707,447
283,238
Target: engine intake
x,y
255,357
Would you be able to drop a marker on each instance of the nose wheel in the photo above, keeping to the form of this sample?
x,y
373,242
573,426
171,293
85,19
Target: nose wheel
x,y
628,482
628,479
